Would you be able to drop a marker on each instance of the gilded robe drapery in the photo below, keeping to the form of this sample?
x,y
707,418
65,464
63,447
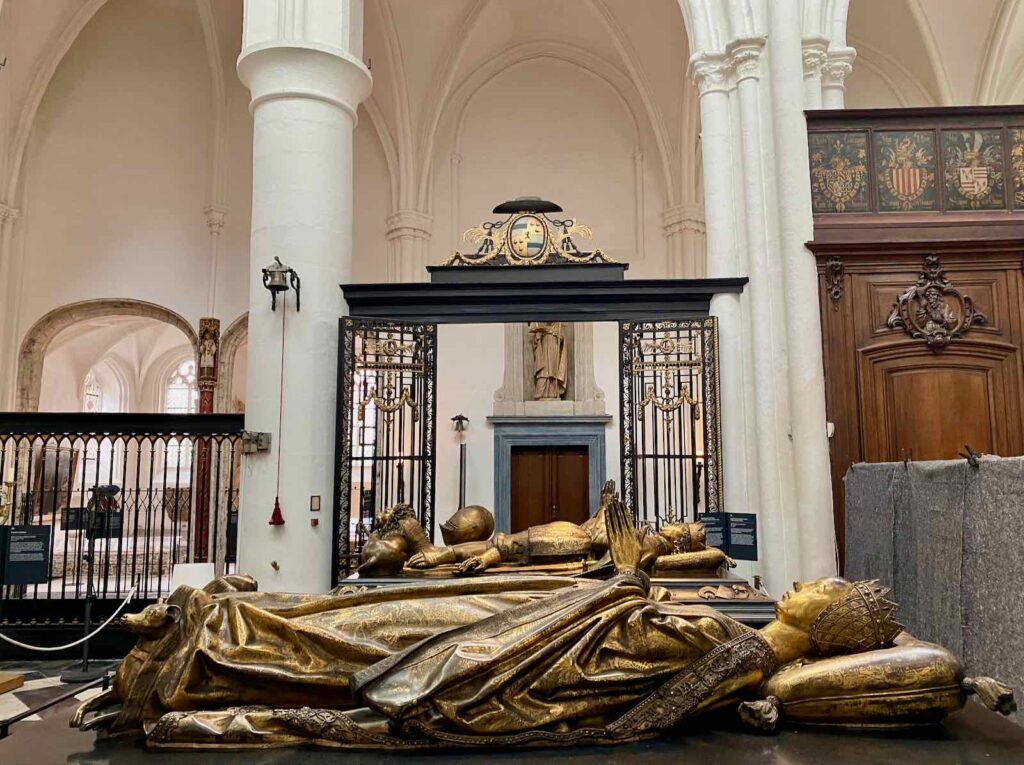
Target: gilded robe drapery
x,y
511,660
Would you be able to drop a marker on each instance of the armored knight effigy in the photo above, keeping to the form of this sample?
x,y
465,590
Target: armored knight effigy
x,y
515,661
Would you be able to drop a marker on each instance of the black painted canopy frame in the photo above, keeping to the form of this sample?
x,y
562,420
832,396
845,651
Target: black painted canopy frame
x,y
387,370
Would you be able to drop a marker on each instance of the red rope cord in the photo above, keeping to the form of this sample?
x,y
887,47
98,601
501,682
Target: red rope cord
x,y
280,403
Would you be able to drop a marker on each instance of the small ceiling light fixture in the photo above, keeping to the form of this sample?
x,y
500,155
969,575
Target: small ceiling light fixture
x,y
277,277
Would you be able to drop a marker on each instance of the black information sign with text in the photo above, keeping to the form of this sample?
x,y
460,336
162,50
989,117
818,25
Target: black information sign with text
x,y
25,554
735,534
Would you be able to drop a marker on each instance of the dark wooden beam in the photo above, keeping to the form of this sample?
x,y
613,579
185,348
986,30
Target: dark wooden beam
x,y
522,301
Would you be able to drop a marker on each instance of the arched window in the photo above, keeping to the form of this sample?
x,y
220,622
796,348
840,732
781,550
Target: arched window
x,y
182,392
92,394
181,397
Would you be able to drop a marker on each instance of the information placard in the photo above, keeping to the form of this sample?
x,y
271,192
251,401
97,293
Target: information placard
x,y
717,527
26,554
735,534
742,536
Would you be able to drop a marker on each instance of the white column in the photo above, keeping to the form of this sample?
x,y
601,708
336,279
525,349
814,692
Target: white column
x,y
9,310
408,236
764,342
813,501
833,78
713,77
301,62
216,216
814,58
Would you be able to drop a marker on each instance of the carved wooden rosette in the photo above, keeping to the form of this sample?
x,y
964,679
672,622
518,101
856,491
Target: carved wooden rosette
x,y
933,310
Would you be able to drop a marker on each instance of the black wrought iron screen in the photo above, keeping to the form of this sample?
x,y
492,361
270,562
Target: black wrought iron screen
x,y
387,374
671,439
134,483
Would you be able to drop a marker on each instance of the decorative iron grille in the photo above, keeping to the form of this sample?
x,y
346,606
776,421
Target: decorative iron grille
x,y
671,436
169,505
386,429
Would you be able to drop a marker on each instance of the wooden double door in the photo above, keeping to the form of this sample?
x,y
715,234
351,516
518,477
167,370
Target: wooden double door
x,y
921,383
549,483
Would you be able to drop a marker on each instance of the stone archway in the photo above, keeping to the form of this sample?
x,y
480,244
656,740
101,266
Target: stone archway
x,y
38,338
233,338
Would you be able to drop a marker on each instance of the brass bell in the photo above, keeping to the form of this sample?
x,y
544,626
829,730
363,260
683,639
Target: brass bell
x,y
277,277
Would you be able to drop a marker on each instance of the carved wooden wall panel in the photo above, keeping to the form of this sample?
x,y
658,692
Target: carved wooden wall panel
x,y
891,395
919,238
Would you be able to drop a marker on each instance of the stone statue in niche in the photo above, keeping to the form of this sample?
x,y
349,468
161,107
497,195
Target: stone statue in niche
x,y
208,351
550,360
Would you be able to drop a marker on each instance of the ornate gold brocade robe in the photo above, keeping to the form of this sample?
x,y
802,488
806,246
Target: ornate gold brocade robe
x,y
482,662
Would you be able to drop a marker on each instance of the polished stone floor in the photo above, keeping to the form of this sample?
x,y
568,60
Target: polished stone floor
x,y
974,736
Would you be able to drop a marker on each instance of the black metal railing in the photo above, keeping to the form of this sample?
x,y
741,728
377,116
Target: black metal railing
x,y
142,492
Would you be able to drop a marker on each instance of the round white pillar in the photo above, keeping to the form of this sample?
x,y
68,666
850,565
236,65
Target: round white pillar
x,y
304,99
765,339
713,77
811,470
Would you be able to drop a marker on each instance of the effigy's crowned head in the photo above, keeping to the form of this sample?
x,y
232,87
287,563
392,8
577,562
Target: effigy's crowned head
x,y
841,616
472,523
685,537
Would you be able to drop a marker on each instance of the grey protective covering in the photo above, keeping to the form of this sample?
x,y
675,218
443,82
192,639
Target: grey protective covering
x,y
950,540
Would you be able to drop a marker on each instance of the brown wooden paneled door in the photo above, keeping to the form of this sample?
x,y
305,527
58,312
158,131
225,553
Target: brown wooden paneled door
x,y
892,396
549,483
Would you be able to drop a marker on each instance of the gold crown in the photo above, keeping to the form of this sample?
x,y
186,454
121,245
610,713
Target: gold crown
x,y
860,621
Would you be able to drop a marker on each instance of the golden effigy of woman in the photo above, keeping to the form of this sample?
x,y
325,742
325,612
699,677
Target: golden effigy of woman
x,y
506,661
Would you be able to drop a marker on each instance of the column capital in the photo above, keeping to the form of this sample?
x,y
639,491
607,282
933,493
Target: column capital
x,y
839,64
745,56
711,73
408,224
304,50
688,216
815,54
215,217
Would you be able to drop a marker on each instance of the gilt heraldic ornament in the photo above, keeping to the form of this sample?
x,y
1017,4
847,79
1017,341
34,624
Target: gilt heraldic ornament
x,y
527,237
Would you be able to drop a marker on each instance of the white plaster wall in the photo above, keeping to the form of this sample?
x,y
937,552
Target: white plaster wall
x,y
117,170
372,187
470,365
606,373
552,129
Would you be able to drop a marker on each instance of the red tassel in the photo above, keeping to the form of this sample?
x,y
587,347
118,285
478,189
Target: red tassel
x,y
276,519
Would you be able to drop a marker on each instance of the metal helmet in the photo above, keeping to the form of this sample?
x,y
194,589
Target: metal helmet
x,y
473,523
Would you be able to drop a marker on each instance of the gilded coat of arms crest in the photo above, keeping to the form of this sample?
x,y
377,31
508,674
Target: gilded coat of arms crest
x,y
837,173
527,237
906,169
974,168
